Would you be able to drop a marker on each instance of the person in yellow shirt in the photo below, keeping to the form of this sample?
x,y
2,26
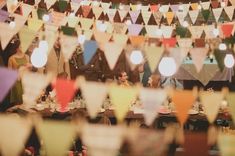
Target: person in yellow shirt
x,y
123,79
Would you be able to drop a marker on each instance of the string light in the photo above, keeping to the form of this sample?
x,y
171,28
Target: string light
x,y
12,24
229,61
167,66
38,58
185,24
216,31
136,57
81,39
45,18
222,46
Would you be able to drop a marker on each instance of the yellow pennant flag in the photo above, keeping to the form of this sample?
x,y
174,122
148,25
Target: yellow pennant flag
x,y
153,55
102,140
231,103
14,134
72,21
122,97
26,36
68,45
102,37
97,11
57,137
226,144
194,6
12,5
170,17
34,24
146,15
86,23
26,9
120,28
120,38
211,102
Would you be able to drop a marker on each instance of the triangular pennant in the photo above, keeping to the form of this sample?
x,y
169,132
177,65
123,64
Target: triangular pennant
x,y
205,5
58,18
185,42
174,8
208,29
63,98
12,5
13,144
196,31
105,6
97,11
120,28
50,35
166,31
100,137
111,13
169,42
181,16
74,6
211,102
34,24
229,10
217,12
94,94
157,16
49,3
112,52
26,9
205,14
86,23
62,5
219,56
194,6
215,4
68,45
225,143
57,136
152,99
164,9
227,30
72,21
120,38
26,37
134,15
86,3
151,31
153,55
193,15
137,41
183,101
122,97
145,8
90,48
3,15
186,7
181,31
170,17
178,54
110,27
8,78
231,104
102,37
146,15
85,10
198,56
154,8
134,29
31,89
122,14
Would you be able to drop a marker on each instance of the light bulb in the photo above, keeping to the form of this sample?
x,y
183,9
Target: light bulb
x,y
43,45
222,46
216,31
45,18
38,58
81,39
136,57
12,24
128,22
185,24
167,66
229,61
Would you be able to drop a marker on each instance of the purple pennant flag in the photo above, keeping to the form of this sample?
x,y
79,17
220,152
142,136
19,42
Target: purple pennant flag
x,y
134,29
174,7
3,15
134,15
7,80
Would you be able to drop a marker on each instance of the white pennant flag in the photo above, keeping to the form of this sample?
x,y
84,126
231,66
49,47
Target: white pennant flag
x,y
181,16
193,15
152,31
166,31
229,10
178,54
49,3
145,8
196,31
94,94
105,6
33,90
185,42
122,14
111,13
74,6
72,21
217,13
146,15
198,56
12,5
68,45
208,29
205,5
186,7
26,9
51,35
97,11
152,99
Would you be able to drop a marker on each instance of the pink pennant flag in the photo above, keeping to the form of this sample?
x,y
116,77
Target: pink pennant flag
x,y
134,15
169,42
154,8
86,10
65,91
198,56
227,29
134,29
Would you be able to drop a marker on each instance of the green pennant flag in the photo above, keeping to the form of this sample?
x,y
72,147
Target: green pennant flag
x,y
62,4
219,56
68,30
211,18
205,14
223,17
181,31
41,12
200,18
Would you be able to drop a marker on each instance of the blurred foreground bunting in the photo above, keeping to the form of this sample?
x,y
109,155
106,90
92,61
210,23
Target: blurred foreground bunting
x,y
198,56
226,144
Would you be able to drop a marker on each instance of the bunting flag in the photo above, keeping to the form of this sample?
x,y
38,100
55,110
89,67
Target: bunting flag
x,y
26,9
34,13
8,78
120,28
85,3
227,30
102,37
185,43
183,101
72,21
193,15
63,98
26,36
50,35
134,29
94,94
85,10
3,15
181,16
166,31
123,14
6,32
225,143
145,8
205,5
112,52
198,56
178,54
49,3
217,13
13,144
231,103
122,97
12,5
146,15
97,11
208,29
134,15
100,137
62,5
57,136
186,7
229,10
137,41
170,17
120,38
154,8
86,23
211,102
111,13
169,42
90,48
158,17
194,6
58,18
152,99
152,31
164,9
153,55
105,6
74,6
196,31
68,45
34,24
33,90
175,7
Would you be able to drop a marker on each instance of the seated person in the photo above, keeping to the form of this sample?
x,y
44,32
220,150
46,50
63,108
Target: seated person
x,y
123,79
154,81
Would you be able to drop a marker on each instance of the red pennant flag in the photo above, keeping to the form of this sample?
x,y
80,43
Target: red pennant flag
x,y
169,42
153,8
227,29
86,10
65,90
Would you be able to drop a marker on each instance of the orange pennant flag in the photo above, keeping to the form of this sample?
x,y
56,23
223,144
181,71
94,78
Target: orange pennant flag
x,y
183,100
227,29
137,40
102,37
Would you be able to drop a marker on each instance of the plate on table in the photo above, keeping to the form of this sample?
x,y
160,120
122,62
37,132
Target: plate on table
x,y
102,110
192,112
164,111
59,110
